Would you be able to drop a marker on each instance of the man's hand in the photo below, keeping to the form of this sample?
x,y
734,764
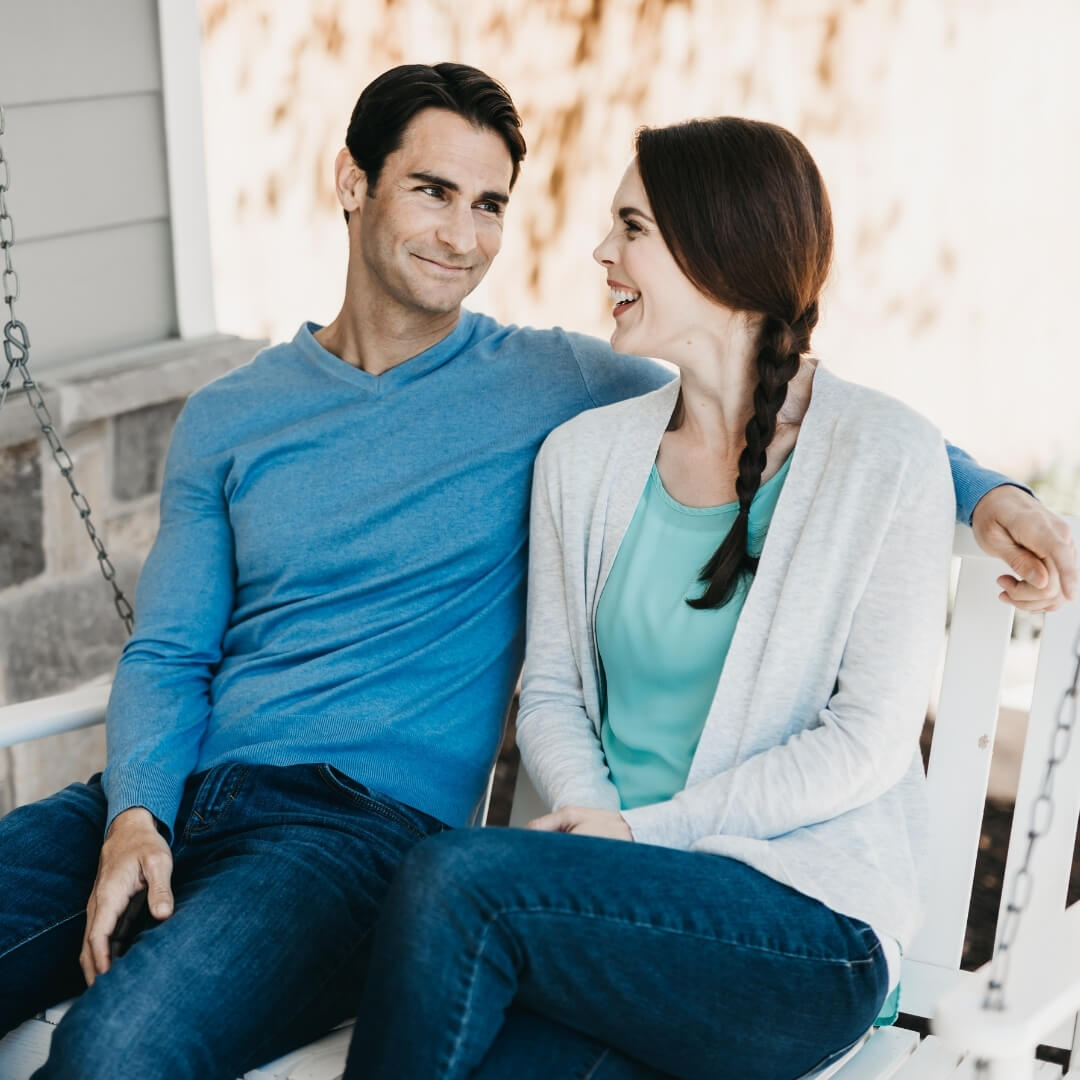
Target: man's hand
x,y
584,821
134,856
1036,543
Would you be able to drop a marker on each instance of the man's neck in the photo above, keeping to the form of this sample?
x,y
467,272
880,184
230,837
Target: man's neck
x,y
374,339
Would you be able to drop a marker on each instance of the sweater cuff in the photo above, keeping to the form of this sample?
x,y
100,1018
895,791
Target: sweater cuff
x,y
971,482
146,786
664,824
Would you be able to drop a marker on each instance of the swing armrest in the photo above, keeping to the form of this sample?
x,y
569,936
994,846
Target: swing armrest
x,y
80,708
1042,991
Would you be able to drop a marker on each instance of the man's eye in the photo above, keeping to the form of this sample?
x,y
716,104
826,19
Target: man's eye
x,y
433,191
490,208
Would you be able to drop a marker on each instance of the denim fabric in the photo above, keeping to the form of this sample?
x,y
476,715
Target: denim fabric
x,y
278,876
544,956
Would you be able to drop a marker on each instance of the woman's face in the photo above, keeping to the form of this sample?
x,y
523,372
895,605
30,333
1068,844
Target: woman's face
x,y
658,311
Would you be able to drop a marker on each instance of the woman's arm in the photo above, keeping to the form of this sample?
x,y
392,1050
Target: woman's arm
x,y
863,741
558,743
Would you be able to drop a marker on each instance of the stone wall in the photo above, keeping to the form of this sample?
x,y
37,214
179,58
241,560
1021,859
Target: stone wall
x,y
58,624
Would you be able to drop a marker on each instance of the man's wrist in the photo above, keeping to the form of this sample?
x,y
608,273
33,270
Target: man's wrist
x,y
135,818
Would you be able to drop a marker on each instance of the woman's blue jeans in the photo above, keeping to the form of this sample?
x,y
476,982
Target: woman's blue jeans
x,y
278,876
544,956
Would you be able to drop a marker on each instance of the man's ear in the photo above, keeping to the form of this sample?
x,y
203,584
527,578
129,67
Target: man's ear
x,y
350,181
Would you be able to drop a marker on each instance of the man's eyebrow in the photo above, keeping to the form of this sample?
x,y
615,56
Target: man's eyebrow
x,y
440,181
626,212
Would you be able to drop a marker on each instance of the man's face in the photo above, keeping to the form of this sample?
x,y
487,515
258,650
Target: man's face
x,y
435,222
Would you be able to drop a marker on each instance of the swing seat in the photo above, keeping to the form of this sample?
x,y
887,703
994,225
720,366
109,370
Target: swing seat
x,y
1042,987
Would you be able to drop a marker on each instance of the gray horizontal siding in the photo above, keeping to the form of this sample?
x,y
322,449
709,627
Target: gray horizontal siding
x,y
52,50
96,291
82,165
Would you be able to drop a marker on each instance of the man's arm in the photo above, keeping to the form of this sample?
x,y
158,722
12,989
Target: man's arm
x,y
160,702
610,376
1011,524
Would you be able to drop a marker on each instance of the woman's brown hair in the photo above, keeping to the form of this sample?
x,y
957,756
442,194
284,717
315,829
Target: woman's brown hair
x,y
744,211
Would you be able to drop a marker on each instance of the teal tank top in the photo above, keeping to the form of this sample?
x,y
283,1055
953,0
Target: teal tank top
x,y
661,659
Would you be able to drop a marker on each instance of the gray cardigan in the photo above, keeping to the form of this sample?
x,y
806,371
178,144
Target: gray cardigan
x,y
808,766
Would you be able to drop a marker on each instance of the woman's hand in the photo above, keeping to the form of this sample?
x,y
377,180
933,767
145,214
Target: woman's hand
x,y
584,821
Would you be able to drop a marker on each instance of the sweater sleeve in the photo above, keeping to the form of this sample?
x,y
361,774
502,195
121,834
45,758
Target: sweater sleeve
x,y
972,482
559,746
863,741
160,701
610,376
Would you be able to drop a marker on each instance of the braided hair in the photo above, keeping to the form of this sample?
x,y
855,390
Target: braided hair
x,y
743,209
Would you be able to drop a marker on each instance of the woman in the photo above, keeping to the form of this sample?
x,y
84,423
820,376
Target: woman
x,y
736,597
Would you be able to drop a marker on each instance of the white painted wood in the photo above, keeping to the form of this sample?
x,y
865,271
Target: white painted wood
x,y
96,292
56,50
81,165
35,719
189,206
964,732
24,1049
323,1059
1052,855
882,1056
923,985
1042,991
1024,1069
933,1060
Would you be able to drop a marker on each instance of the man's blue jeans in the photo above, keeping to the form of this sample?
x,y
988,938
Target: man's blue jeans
x,y
278,877
546,956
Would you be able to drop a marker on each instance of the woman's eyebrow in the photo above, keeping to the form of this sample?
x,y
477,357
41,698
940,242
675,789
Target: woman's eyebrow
x,y
626,212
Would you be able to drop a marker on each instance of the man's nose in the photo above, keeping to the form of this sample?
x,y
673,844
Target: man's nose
x,y
458,230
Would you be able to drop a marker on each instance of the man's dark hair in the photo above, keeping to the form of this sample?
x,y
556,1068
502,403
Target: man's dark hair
x,y
389,103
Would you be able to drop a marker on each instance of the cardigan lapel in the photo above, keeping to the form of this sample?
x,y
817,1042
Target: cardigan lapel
x,y
761,604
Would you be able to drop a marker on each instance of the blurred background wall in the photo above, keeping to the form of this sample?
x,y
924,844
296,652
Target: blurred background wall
x,y
947,131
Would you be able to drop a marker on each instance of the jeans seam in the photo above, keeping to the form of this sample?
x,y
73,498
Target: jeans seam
x,y
455,1050
597,1062
44,930
372,804
717,939
219,809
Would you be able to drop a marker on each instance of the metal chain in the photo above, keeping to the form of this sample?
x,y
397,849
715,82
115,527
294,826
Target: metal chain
x,y
1042,814
17,353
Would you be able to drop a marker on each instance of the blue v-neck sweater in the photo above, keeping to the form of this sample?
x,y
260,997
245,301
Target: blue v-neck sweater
x,y
340,569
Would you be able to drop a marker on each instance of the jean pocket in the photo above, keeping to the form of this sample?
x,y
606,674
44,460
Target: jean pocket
x,y
359,795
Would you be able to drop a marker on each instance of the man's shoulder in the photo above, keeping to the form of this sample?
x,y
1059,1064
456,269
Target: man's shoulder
x,y
555,352
602,427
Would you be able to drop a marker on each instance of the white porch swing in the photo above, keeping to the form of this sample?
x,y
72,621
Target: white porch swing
x,y
987,1022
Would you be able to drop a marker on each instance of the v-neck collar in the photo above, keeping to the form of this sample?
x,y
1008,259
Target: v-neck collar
x,y
400,374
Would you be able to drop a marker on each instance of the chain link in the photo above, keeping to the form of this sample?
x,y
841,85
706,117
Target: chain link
x,y
17,354
1042,814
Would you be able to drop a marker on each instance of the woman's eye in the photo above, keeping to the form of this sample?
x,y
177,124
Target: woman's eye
x,y
631,228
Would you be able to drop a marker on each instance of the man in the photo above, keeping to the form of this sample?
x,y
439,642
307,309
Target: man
x,y
330,626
